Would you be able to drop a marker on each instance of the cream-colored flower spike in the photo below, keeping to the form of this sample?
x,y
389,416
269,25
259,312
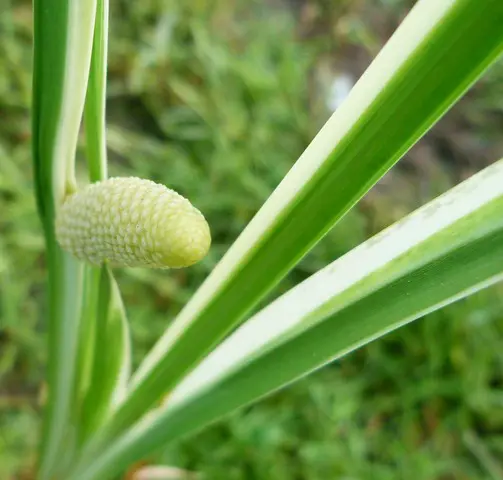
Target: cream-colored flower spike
x,y
132,222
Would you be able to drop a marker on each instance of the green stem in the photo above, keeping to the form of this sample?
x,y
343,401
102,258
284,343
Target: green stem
x,y
63,32
65,296
94,113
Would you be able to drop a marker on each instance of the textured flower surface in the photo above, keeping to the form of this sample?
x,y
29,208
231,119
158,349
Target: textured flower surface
x,y
132,222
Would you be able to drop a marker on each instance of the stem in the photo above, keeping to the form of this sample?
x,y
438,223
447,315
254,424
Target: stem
x,y
63,33
65,296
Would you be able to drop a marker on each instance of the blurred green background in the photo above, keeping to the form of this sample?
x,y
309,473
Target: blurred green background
x,y
217,99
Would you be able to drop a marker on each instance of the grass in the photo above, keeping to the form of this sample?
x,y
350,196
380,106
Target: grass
x,y
217,101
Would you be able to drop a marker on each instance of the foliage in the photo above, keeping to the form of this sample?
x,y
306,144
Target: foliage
x,y
223,129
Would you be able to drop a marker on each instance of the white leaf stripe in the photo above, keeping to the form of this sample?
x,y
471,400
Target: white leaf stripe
x,y
81,18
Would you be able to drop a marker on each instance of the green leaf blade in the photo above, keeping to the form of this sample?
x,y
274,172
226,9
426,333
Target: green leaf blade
x,y
111,363
48,74
417,76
